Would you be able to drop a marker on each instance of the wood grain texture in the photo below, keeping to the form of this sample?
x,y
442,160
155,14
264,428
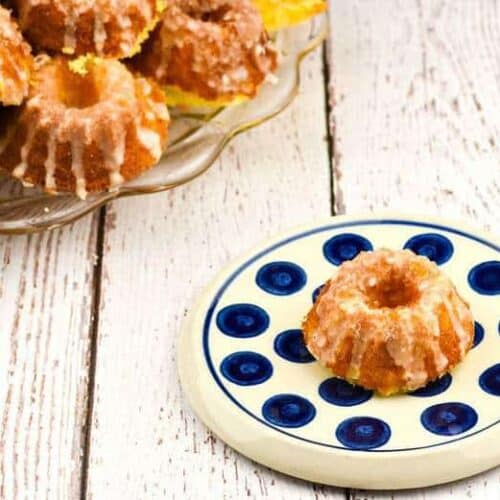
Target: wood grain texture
x,y
414,90
46,288
159,252
486,486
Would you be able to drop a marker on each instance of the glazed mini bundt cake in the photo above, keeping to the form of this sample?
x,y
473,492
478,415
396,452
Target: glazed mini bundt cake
x,y
390,321
85,132
107,28
217,50
15,62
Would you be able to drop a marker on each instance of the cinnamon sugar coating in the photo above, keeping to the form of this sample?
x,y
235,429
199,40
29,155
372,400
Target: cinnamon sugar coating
x,y
107,28
389,321
212,48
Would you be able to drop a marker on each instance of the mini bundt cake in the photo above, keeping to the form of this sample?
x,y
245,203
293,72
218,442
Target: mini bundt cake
x,y
15,62
390,321
107,28
85,132
214,49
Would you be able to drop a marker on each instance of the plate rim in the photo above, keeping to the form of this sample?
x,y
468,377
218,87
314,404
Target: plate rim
x,y
415,467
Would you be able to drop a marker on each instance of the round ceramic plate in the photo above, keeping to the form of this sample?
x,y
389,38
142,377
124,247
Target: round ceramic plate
x,y
249,377
195,142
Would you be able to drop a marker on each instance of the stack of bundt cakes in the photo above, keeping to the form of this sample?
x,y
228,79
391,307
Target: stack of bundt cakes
x,y
87,83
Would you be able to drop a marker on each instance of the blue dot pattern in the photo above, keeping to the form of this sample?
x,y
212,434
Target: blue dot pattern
x,y
281,278
288,410
242,320
290,346
246,368
342,393
449,419
478,334
316,292
363,433
434,388
490,380
485,278
434,246
344,247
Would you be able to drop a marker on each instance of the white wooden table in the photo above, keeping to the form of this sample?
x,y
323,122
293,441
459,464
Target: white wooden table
x,y
399,111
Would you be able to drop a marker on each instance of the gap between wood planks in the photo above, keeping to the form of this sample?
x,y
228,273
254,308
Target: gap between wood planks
x,y
93,333
330,141
330,121
97,277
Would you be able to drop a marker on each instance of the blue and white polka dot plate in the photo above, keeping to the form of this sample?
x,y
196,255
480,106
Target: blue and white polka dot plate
x,y
248,375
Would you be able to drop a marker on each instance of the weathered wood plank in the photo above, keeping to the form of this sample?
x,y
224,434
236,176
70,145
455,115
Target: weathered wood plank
x,y
159,253
483,487
415,89
46,289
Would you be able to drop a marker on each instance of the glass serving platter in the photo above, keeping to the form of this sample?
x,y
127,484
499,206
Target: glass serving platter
x,y
195,142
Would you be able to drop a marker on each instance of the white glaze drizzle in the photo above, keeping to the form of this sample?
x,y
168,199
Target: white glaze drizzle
x,y
70,20
463,336
77,167
114,157
21,168
150,140
50,162
100,35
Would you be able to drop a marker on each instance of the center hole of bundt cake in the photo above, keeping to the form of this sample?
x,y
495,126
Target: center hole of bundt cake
x,y
76,90
394,290
211,16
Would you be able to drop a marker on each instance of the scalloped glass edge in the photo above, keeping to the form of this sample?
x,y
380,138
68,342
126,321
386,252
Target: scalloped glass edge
x,y
196,141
